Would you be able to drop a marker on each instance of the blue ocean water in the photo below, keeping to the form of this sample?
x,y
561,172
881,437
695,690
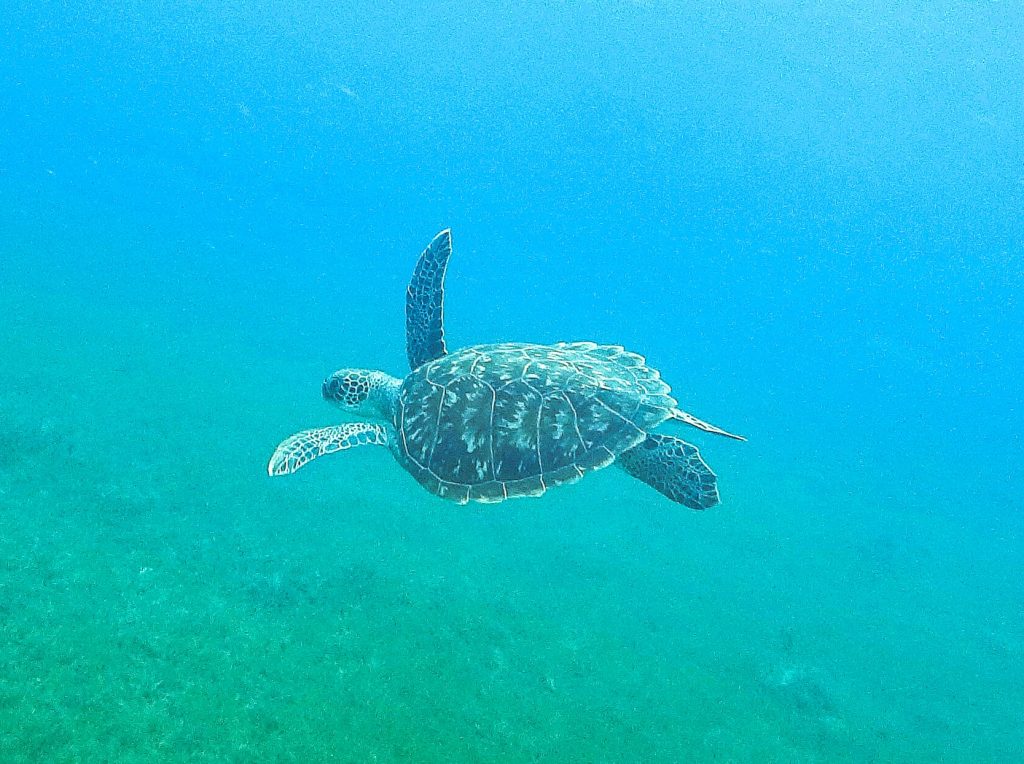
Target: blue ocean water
x,y
807,216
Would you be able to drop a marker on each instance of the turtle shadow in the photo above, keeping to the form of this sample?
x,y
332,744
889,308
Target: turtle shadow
x,y
28,445
801,687
803,691
284,585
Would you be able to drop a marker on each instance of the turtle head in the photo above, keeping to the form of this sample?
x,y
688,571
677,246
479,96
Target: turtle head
x,y
363,391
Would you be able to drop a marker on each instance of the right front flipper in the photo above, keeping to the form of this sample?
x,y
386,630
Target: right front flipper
x,y
303,447
424,303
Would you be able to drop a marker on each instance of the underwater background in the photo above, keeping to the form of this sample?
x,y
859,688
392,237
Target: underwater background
x,y
806,215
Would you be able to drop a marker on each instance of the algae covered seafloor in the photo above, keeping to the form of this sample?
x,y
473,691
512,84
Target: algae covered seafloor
x,y
162,600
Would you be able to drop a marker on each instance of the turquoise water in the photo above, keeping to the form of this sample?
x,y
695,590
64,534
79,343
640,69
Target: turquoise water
x,y
807,217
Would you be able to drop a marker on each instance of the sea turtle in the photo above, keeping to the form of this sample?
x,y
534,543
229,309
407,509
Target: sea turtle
x,y
492,422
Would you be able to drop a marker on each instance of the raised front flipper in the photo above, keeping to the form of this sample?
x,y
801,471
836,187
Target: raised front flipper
x,y
674,468
303,447
424,303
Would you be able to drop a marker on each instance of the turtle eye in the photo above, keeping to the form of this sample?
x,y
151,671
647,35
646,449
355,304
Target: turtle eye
x,y
349,388
345,389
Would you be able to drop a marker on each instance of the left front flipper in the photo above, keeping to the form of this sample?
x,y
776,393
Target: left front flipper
x,y
303,447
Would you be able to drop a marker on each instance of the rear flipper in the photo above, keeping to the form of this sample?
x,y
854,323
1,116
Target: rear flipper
x,y
674,468
303,447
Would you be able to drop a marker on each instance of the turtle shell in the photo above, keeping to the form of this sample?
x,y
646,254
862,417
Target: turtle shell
x,y
490,422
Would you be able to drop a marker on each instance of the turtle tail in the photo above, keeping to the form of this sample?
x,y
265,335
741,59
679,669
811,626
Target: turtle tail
x,y
681,416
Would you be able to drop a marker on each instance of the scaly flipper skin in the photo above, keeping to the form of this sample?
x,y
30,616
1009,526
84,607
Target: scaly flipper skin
x,y
424,303
303,447
674,468
682,416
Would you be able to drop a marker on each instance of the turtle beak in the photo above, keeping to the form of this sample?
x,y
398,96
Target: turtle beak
x,y
332,389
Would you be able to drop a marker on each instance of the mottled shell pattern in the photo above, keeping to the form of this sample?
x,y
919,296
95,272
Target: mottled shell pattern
x,y
493,421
